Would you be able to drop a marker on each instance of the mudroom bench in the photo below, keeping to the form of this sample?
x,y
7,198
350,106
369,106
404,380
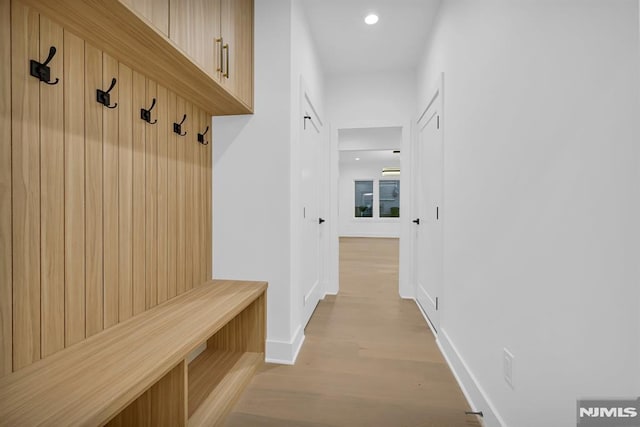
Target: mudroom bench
x,y
139,373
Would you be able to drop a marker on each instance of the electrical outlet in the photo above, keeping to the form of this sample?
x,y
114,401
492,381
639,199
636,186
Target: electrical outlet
x,y
507,366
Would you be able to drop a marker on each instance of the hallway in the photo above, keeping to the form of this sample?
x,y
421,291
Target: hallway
x,y
369,358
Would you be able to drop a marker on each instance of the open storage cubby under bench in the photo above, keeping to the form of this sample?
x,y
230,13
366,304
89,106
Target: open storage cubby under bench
x,y
137,373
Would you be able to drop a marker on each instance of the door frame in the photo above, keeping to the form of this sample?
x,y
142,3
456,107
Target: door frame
x,y
332,265
435,100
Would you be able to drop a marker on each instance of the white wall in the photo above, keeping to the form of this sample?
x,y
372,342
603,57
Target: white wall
x,y
364,227
251,174
541,195
253,191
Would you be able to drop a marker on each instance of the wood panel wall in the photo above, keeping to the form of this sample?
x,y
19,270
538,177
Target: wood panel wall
x,y
102,215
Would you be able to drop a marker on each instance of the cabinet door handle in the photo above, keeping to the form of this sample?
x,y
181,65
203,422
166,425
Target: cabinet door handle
x,y
221,58
226,47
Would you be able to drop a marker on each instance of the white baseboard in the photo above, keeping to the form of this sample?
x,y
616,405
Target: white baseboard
x,y
381,235
285,352
473,391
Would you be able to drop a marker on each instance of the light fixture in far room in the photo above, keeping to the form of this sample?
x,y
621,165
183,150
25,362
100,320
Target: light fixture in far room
x,y
371,19
390,171
357,158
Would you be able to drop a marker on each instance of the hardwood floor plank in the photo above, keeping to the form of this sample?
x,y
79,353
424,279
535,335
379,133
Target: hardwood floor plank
x,y
369,358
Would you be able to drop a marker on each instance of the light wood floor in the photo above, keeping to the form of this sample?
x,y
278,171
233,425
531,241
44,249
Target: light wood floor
x,y
369,358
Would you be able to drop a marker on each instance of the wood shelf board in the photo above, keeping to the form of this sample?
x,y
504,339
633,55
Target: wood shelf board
x,y
216,380
93,380
115,28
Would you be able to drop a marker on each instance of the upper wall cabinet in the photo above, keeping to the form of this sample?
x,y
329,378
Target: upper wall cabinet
x,y
235,44
156,11
218,36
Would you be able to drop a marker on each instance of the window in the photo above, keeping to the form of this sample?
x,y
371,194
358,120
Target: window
x,y
389,191
364,199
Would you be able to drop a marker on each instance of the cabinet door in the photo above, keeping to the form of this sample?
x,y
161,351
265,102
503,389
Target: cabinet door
x,y
156,11
194,26
237,31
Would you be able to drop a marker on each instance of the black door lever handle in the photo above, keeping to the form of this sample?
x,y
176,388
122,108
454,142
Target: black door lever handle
x,y
320,220
416,221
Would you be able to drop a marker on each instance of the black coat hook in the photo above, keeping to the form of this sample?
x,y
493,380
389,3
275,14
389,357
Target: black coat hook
x,y
201,137
146,114
42,71
104,98
177,127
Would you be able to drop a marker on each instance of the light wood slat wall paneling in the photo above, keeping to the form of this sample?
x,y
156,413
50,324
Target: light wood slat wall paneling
x,y
208,218
102,215
151,200
74,179
126,115
94,192
139,127
172,219
163,206
181,190
111,206
52,193
188,189
204,122
197,232
26,188
6,292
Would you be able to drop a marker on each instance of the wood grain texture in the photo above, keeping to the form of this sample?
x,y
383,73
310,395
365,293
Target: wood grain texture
x,y
151,202
52,193
237,30
119,31
162,405
225,374
127,114
74,183
198,258
193,28
245,332
181,272
111,206
94,283
138,225
6,293
163,195
369,358
189,144
173,189
155,11
25,154
75,387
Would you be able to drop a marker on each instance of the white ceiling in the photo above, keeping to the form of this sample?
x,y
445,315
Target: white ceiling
x,y
347,45
370,138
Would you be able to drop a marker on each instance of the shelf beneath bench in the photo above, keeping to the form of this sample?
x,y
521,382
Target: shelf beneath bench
x,y
140,365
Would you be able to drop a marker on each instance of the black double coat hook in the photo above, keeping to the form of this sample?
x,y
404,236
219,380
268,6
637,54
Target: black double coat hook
x,y
146,114
201,139
42,71
177,127
104,98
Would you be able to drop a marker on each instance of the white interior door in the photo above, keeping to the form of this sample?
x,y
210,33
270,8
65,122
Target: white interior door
x,y
310,187
428,224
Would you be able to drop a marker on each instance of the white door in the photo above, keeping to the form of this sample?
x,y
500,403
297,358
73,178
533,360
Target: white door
x,y
312,222
428,224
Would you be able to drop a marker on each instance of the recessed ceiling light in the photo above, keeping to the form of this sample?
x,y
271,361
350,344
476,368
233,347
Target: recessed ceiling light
x,y
357,158
371,19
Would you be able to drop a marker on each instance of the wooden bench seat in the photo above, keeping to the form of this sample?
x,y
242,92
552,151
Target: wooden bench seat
x,y
137,373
